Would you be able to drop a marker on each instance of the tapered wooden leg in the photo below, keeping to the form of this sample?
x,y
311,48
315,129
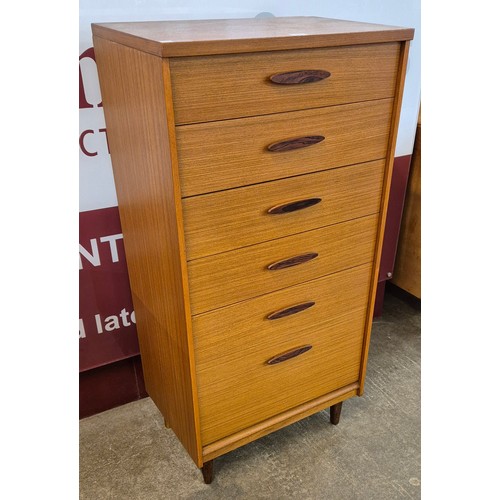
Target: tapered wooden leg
x,y
166,423
208,471
335,413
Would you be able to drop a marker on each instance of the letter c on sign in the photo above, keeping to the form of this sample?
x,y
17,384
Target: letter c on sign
x,y
82,145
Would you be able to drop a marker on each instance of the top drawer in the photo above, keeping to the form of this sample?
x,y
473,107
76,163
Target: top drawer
x,y
237,85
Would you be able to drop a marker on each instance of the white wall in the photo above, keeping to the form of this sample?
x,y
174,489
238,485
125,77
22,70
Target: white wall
x,y
96,178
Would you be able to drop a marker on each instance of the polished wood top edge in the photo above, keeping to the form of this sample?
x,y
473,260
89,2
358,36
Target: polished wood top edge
x,y
229,36
224,445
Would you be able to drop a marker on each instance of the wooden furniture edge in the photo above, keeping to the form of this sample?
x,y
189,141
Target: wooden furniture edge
x,y
272,424
131,41
169,107
383,208
128,134
214,47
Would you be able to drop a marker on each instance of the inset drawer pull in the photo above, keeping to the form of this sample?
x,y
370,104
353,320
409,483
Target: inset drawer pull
x,y
293,205
302,76
297,143
292,261
291,310
288,355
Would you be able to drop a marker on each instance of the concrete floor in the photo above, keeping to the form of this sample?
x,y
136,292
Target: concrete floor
x,y
374,452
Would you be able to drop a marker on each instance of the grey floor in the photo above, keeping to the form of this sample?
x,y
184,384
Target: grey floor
x,y
374,452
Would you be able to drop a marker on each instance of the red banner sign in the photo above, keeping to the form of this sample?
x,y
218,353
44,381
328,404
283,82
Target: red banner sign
x,y
107,319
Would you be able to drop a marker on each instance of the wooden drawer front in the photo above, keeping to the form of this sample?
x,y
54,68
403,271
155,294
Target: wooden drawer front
x,y
231,277
233,86
236,386
232,219
216,156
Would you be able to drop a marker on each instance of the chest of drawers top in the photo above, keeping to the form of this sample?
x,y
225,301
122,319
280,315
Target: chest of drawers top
x,y
232,36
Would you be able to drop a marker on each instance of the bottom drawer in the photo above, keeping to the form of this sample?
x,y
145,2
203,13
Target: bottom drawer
x,y
233,345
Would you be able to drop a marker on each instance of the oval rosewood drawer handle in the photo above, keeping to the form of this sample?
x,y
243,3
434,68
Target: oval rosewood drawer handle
x,y
297,143
301,76
288,355
291,310
291,206
292,261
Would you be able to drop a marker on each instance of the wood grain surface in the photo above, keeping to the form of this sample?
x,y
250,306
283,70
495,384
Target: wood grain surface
x,y
236,387
230,277
278,421
360,73
236,218
221,36
221,155
144,168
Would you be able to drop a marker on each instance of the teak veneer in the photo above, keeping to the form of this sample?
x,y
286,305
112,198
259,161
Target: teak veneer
x,y
252,162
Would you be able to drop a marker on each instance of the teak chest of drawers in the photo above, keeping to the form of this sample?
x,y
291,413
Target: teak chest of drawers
x,y
252,161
